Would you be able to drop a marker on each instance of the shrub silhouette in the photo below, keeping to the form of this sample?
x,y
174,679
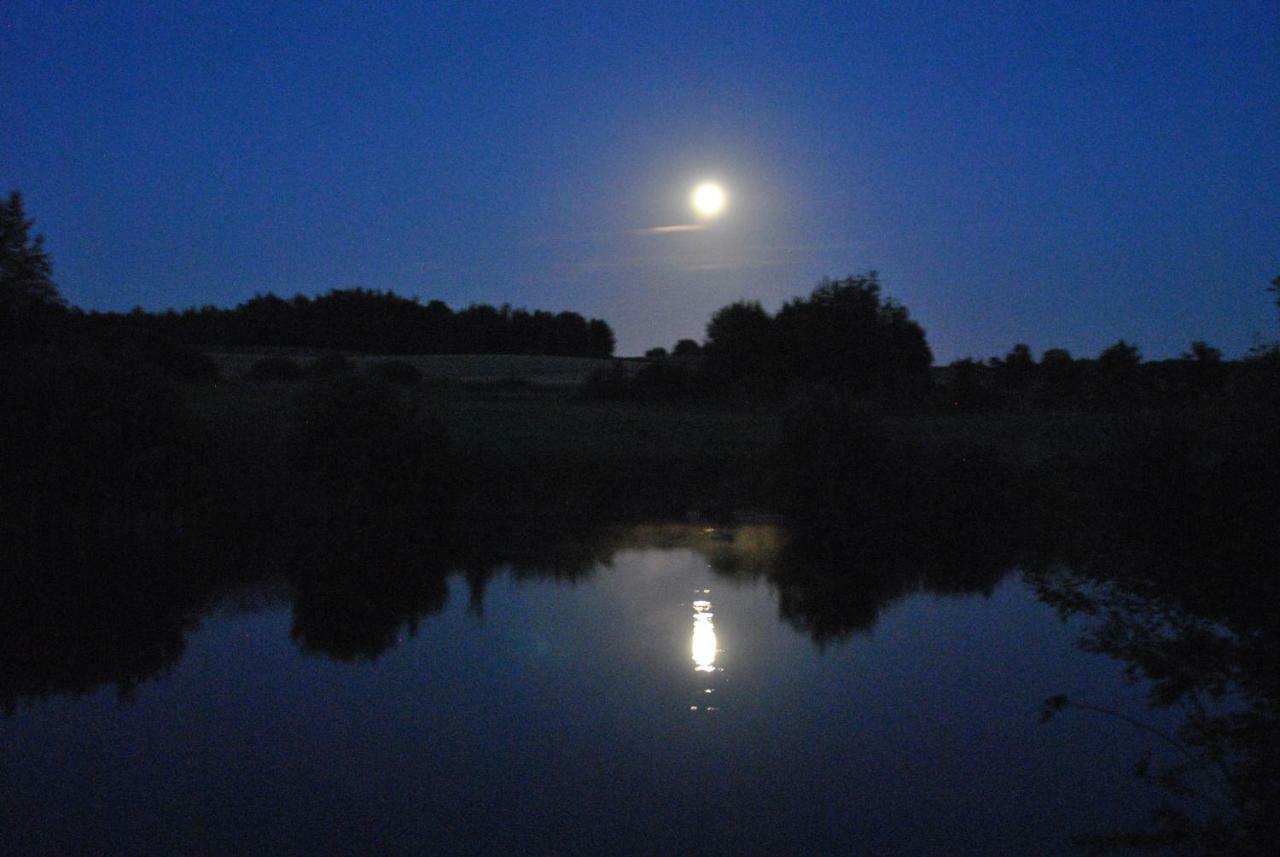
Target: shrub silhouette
x,y
967,388
1060,379
362,444
331,363
95,444
608,383
1017,370
275,369
831,460
400,372
741,340
687,348
1116,376
126,343
663,380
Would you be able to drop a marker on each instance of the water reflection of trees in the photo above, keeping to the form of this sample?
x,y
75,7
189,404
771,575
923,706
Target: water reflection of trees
x,y
78,616
1211,661
831,592
70,627
76,620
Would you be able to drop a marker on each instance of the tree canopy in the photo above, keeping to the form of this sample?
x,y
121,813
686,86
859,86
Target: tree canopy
x,y
844,334
380,323
27,293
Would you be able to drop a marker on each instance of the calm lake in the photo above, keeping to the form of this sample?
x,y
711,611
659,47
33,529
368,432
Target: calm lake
x,y
667,697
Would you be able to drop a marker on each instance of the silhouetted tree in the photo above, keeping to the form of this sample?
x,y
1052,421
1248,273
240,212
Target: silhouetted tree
x,y
740,339
1060,378
656,354
1016,370
687,348
1116,377
1019,357
1202,352
965,389
845,334
600,339
1120,358
1055,357
28,297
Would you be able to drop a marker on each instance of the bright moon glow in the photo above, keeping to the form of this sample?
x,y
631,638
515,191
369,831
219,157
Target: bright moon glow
x,y
708,199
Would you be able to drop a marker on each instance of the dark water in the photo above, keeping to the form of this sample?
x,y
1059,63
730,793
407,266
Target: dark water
x,y
657,702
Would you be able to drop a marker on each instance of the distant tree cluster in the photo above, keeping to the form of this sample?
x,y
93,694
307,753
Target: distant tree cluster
x,y
844,334
377,322
1117,378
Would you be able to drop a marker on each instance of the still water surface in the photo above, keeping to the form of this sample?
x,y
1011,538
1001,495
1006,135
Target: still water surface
x,y
655,705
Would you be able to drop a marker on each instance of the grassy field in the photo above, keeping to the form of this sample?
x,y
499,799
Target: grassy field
x,y
528,432
535,443
518,420
509,404
1025,439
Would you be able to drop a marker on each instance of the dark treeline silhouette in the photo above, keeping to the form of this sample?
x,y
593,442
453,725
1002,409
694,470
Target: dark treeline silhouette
x,y
378,323
844,335
1117,379
846,339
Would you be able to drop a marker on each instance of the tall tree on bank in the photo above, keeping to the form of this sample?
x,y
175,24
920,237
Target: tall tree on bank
x,y
28,297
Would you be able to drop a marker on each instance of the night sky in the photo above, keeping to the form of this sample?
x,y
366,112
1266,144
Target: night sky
x,y
1064,174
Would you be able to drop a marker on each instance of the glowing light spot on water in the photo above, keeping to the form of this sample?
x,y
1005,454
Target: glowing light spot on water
x,y
704,637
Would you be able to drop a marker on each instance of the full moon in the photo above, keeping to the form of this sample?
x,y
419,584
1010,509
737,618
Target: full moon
x,y
708,199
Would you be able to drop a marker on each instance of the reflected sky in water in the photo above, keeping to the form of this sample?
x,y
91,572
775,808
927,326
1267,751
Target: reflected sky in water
x,y
559,721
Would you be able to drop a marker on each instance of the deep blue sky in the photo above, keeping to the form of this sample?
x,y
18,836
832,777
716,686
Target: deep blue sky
x,y
1063,174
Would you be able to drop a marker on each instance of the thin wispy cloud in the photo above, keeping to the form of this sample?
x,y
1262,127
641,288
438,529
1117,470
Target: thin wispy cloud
x,y
733,265
666,230
677,263
673,229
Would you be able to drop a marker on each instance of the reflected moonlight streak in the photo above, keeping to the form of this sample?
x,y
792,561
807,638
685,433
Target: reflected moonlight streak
x,y
704,637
